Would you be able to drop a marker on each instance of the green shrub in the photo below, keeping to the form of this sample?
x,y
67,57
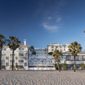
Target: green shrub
x,y
82,65
16,66
72,67
64,66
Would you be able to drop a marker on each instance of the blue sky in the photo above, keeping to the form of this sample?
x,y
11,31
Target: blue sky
x,y
42,22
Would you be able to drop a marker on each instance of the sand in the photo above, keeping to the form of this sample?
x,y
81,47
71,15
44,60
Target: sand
x,y
42,77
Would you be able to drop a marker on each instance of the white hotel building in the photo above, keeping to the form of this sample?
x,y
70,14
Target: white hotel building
x,y
20,56
55,46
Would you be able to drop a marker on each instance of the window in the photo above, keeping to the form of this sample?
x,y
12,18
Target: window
x,y
60,47
20,66
77,58
61,58
16,58
7,58
60,50
3,61
11,49
16,64
10,66
4,49
11,55
52,49
21,61
21,48
11,60
56,47
25,58
83,58
3,55
2,66
21,54
7,64
25,64
68,57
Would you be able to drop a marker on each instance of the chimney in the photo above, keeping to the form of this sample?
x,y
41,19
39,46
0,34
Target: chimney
x,y
24,41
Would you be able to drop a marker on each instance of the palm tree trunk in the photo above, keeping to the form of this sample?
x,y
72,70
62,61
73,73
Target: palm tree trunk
x,y
13,60
58,66
74,64
0,57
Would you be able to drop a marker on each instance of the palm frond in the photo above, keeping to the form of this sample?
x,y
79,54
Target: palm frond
x,y
74,48
13,42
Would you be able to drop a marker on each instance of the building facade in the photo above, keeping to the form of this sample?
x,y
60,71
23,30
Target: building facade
x,y
69,59
20,56
24,58
41,61
54,46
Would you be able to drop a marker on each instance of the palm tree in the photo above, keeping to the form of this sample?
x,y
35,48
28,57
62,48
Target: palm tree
x,y
32,47
13,43
74,48
46,50
2,42
56,55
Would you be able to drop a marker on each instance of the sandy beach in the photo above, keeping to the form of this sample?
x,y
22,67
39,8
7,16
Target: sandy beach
x,y
42,78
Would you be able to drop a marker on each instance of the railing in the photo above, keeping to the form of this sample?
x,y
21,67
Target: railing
x,y
41,68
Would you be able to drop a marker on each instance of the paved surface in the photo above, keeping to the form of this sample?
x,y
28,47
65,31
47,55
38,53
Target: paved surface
x,y
42,78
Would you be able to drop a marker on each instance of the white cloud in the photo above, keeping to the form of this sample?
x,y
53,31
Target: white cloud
x,y
49,17
58,19
50,28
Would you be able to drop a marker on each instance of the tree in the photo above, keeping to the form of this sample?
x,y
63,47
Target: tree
x,y
13,43
32,47
56,55
2,42
33,52
46,50
74,48
50,53
82,65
